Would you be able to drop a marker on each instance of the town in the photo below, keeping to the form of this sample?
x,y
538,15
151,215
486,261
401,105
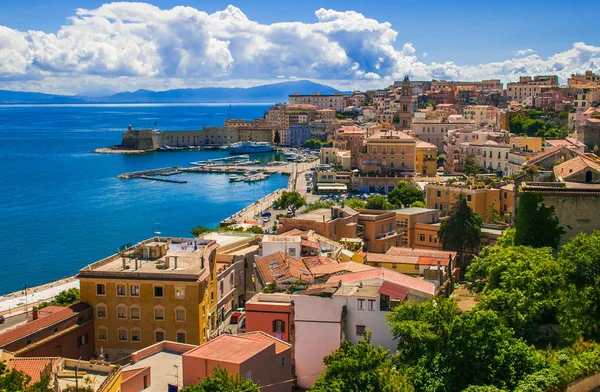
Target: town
x,y
429,211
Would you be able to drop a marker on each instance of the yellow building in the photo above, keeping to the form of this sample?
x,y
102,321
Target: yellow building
x,y
411,261
426,158
482,115
419,227
526,143
389,152
159,289
444,196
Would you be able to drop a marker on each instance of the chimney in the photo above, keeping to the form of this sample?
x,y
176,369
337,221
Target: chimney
x,y
167,264
123,263
175,264
34,313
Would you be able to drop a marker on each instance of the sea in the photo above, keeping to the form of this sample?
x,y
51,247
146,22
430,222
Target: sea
x,y
62,206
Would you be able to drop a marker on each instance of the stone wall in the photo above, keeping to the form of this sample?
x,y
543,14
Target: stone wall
x,y
575,212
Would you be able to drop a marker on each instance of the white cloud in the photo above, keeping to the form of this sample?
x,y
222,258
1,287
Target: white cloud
x,y
134,45
523,52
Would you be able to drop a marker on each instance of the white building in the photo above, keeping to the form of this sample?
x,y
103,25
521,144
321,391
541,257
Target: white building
x,y
291,245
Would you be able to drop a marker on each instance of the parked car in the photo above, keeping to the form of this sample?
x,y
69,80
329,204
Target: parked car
x,y
237,316
1,319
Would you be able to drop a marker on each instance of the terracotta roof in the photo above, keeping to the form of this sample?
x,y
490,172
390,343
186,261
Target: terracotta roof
x,y
41,323
294,232
574,166
544,154
229,348
422,144
392,259
350,266
399,251
34,367
424,260
280,345
389,276
395,134
280,266
310,244
316,261
393,290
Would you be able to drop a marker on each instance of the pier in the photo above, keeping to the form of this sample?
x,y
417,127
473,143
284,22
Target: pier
x,y
150,172
162,179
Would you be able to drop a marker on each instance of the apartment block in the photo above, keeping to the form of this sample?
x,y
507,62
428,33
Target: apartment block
x,y
159,289
389,152
525,90
334,101
444,196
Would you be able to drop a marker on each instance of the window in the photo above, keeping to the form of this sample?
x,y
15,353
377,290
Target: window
x,y
134,312
422,237
181,336
282,361
384,302
484,154
101,311
438,193
121,290
102,333
249,375
159,335
122,334
122,311
371,304
360,330
83,340
180,314
212,296
100,289
469,197
134,290
394,265
158,291
278,326
159,313
180,292
361,304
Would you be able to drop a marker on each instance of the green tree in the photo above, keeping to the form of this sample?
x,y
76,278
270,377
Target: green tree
x,y
277,137
580,261
199,230
317,204
221,381
313,143
430,102
470,166
289,199
443,349
64,298
363,367
419,204
492,215
536,224
522,286
378,202
356,204
461,230
405,194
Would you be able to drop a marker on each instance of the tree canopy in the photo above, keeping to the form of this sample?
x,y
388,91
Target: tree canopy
x,y
356,204
533,125
461,230
470,166
405,194
536,224
64,298
316,143
289,199
378,202
363,367
221,381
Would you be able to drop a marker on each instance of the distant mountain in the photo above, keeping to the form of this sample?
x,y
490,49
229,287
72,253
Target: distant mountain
x,y
268,93
19,97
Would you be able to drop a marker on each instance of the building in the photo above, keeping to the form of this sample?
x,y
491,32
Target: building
x,y
379,230
525,90
588,79
481,115
419,227
55,331
426,159
350,138
433,265
334,101
334,223
270,313
93,376
255,356
436,131
405,107
159,289
285,271
444,196
335,157
388,152
568,142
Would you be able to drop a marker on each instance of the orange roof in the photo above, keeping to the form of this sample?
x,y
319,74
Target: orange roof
x,y
41,323
280,345
350,266
395,134
33,367
310,244
575,165
440,254
229,348
423,260
294,232
544,154
389,276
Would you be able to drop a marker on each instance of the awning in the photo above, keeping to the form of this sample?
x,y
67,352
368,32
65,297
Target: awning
x,y
332,187
393,291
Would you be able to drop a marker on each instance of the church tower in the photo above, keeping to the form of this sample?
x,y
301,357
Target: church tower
x,y
405,110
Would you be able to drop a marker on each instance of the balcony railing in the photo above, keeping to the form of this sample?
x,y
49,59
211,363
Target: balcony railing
x,y
386,235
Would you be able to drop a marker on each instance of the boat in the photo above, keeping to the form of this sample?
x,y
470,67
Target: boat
x,y
250,147
234,178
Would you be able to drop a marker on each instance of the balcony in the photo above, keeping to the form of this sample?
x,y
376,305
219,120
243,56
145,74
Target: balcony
x,y
389,234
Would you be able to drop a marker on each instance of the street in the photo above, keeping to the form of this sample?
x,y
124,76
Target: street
x,y
12,322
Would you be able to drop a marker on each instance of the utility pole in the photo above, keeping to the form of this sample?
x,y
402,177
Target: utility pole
x,y
76,379
26,307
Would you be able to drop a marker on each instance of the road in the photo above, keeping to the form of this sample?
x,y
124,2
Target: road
x,y
34,295
13,322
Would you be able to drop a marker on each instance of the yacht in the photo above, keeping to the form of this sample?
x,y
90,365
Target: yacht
x,y
250,147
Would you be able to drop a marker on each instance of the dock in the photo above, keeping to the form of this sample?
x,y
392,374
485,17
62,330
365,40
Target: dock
x,y
162,179
150,172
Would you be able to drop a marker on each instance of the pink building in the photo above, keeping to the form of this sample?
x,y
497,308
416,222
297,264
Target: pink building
x,y
255,356
270,313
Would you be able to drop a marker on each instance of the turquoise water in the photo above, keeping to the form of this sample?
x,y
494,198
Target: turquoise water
x,y
61,205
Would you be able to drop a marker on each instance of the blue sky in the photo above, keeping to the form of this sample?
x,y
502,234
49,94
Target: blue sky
x,y
467,34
